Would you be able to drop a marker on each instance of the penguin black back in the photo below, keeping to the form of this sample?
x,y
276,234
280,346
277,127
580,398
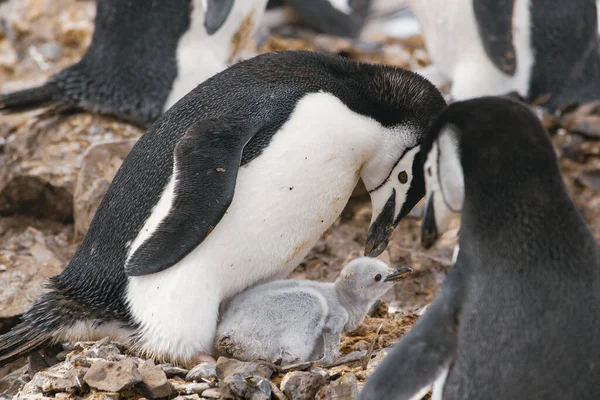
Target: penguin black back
x,y
518,316
574,76
564,41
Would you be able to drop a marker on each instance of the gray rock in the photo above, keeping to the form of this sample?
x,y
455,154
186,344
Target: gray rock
x,y
102,396
171,370
184,388
590,178
189,397
213,393
227,366
375,361
41,163
13,382
344,388
99,166
28,263
113,376
61,378
105,350
239,379
154,380
299,385
201,371
51,51
277,393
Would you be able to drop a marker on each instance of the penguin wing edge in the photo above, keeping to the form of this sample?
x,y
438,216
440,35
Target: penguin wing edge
x,y
494,23
424,354
207,159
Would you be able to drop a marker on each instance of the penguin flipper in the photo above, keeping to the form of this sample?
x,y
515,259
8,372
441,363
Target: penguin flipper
x,y
207,159
217,12
425,353
494,23
324,17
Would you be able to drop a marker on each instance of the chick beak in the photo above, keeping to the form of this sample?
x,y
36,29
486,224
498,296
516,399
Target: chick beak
x,y
381,229
398,274
429,231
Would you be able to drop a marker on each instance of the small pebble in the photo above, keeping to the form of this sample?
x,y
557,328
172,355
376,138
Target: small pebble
x,y
188,388
202,371
171,371
213,393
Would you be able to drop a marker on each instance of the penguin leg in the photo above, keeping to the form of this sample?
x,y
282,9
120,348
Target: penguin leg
x,y
425,353
331,347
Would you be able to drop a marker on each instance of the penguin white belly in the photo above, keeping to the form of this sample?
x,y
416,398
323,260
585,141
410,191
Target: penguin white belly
x,y
438,385
453,42
200,55
284,200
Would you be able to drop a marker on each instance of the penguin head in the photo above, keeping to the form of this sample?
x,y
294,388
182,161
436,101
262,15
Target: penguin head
x,y
393,173
365,279
487,153
444,183
392,196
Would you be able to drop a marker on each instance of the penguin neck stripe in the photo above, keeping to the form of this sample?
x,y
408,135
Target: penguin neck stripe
x,y
387,178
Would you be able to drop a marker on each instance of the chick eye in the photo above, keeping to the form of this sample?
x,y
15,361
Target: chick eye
x,y
429,171
378,277
403,177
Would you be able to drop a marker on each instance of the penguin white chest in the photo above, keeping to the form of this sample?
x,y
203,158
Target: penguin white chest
x,y
201,55
455,47
284,200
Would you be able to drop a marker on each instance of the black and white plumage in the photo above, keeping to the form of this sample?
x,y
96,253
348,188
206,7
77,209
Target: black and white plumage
x,y
298,320
518,316
146,55
537,48
231,187
333,17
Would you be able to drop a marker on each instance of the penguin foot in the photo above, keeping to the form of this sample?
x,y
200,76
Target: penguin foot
x,y
200,358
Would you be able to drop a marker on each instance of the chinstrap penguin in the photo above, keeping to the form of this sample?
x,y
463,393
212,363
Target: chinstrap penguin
x,y
518,316
232,187
547,51
144,56
297,320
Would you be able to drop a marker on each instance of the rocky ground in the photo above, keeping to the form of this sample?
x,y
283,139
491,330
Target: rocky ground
x,y
54,172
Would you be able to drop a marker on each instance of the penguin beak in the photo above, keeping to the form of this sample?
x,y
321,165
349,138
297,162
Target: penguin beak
x,y
381,229
429,231
383,226
398,274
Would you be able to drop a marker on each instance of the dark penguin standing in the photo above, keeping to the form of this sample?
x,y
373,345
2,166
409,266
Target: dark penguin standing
x,y
518,316
144,56
230,187
537,48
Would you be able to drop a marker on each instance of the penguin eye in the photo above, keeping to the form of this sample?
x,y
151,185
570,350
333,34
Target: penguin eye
x,y
378,277
403,177
429,171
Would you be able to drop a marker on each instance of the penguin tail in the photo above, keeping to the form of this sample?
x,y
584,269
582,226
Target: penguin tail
x,y
20,341
29,99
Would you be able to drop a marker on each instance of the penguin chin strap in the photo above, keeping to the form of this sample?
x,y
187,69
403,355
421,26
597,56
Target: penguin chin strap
x,y
444,181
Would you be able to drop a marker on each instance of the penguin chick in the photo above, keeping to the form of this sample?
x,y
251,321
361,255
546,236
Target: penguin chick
x,y
295,320
518,316
231,187
144,56
495,47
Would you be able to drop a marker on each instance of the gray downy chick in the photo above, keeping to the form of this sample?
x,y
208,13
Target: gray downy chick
x,y
290,321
